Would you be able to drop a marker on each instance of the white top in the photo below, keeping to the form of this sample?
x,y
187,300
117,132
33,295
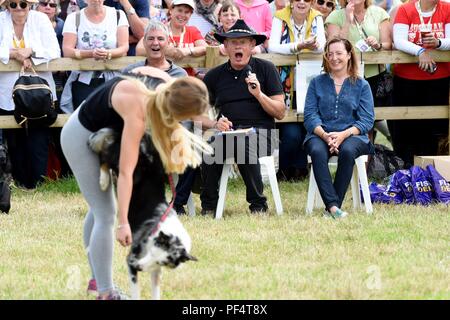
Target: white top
x,y
96,35
289,48
201,23
39,35
90,36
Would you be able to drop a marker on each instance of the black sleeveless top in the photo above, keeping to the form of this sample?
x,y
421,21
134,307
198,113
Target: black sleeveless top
x,y
96,112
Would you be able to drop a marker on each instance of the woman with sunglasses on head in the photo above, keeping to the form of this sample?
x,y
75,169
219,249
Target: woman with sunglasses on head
x,y
338,115
324,6
296,28
28,37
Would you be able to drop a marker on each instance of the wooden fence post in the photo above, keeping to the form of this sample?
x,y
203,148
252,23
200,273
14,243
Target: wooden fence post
x,y
212,57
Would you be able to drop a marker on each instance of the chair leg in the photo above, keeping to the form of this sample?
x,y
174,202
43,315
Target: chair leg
x,y
364,184
269,163
223,189
355,189
312,190
191,205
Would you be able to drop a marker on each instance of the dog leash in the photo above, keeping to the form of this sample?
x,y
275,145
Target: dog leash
x,y
166,213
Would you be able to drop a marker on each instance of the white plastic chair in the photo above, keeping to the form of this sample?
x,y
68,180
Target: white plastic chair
x,y
359,178
267,169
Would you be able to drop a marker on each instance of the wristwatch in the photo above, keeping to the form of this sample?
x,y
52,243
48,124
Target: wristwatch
x,y
131,11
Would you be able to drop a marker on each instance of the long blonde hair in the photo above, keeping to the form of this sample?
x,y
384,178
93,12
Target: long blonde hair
x,y
176,100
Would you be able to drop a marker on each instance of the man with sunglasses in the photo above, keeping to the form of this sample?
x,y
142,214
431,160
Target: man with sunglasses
x,y
28,37
324,7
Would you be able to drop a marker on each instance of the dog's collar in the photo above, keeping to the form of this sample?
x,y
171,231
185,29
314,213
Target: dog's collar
x,y
169,208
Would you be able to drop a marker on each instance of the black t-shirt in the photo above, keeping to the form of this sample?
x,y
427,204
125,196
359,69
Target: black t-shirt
x,y
228,92
96,112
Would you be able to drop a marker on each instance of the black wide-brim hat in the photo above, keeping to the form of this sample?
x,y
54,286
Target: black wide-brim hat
x,y
240,30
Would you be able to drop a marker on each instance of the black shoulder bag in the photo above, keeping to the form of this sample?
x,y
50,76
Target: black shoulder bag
x,y
33,100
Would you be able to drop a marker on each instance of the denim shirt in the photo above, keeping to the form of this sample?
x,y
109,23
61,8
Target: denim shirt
x,y
353,106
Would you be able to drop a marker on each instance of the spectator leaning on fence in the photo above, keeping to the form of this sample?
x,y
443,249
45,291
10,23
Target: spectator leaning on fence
x,y
51,8
154,44
257,15
368,28
338,115
102,34
205,15
324,6
184,40
28,37
421,84
138,15
296,28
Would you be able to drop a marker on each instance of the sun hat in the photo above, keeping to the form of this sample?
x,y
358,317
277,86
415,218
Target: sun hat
x,y
240,30
189,3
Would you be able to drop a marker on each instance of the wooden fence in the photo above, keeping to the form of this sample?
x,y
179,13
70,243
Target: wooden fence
x,y
213,58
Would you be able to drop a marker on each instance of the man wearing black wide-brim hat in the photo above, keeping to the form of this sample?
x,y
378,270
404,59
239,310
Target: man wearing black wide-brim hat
x,y
246,92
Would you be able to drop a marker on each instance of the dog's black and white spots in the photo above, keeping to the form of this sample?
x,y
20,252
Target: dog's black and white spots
x,y
156,243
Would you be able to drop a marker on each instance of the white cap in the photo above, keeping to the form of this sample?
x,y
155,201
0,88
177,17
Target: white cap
x,y
189,3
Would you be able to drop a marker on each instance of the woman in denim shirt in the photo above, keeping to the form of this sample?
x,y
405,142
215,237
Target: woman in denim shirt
x,y
338,115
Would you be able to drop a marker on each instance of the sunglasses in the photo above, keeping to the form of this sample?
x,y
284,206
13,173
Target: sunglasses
x,y
45,4
22,4
329,4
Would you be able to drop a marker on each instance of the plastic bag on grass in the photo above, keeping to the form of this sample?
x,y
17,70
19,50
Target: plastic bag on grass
x,y
422,188
401,181
379,194
440,186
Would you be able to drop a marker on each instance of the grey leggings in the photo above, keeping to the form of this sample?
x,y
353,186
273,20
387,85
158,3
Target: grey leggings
x,y
99,222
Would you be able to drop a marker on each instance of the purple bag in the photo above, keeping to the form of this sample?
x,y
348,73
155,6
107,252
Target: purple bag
x,y
422,188
394,191
401,182
378,194
440,186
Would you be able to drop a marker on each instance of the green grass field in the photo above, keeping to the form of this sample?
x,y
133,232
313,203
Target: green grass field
x,y
399,252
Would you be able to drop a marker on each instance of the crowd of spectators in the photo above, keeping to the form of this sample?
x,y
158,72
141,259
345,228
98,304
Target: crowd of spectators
x,y
30,31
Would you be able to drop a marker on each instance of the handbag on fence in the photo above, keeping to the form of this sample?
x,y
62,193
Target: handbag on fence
x,y
385,84
33,100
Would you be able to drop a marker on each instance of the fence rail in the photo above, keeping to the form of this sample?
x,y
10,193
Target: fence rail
x,y
213,58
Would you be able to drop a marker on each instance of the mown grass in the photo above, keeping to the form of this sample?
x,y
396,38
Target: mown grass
x,y
399,252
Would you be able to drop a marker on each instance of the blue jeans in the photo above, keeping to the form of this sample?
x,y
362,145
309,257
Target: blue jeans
x,y
292,154
184,186
333,193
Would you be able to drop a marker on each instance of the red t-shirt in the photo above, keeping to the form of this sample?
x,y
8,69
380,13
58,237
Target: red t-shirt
x,y
191,34
407,14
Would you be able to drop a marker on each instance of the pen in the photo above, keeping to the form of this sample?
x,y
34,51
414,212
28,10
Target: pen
x,y
223,117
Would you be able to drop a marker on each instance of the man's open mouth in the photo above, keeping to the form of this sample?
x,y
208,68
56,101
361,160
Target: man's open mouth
x,y
238,55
